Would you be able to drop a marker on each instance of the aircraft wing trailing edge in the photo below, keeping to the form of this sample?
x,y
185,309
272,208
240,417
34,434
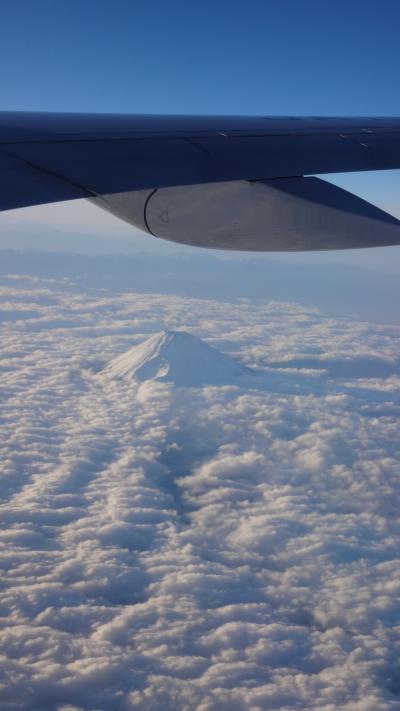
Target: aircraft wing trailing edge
x,y
242,183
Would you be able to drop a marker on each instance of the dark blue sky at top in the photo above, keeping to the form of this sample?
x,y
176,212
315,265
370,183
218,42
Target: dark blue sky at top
x,y
268,57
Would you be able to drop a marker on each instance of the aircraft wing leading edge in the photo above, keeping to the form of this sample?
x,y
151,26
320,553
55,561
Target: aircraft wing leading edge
x,y
222,182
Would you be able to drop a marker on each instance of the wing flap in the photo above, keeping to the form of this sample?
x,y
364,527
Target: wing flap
x,y
284,214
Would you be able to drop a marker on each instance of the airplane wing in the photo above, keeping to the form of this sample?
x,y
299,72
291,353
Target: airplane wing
x,y
246,183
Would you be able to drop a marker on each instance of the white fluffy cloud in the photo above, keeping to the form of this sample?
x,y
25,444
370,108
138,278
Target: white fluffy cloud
x,y
210,548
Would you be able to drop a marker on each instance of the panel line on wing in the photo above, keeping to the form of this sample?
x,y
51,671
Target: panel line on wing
x,y
145,211
49,172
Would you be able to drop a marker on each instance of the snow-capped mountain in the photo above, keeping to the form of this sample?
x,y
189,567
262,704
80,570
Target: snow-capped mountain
x,y
178,357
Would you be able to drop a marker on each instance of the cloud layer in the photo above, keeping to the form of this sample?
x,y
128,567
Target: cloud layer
x,y
217,547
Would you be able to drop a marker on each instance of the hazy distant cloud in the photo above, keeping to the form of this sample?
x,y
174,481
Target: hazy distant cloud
x,y
211,548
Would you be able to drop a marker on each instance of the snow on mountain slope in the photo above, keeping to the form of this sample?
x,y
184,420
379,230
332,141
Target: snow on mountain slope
x,y
178,357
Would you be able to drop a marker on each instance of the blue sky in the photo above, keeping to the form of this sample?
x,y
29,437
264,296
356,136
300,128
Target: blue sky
x,y
263,57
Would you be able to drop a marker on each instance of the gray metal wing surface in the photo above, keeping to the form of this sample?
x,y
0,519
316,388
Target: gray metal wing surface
x,y
245,183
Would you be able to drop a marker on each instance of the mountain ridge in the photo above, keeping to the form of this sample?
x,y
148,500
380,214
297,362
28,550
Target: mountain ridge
x,y
177,357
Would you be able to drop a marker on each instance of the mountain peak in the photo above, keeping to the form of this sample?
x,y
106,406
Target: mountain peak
x,y
178,357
